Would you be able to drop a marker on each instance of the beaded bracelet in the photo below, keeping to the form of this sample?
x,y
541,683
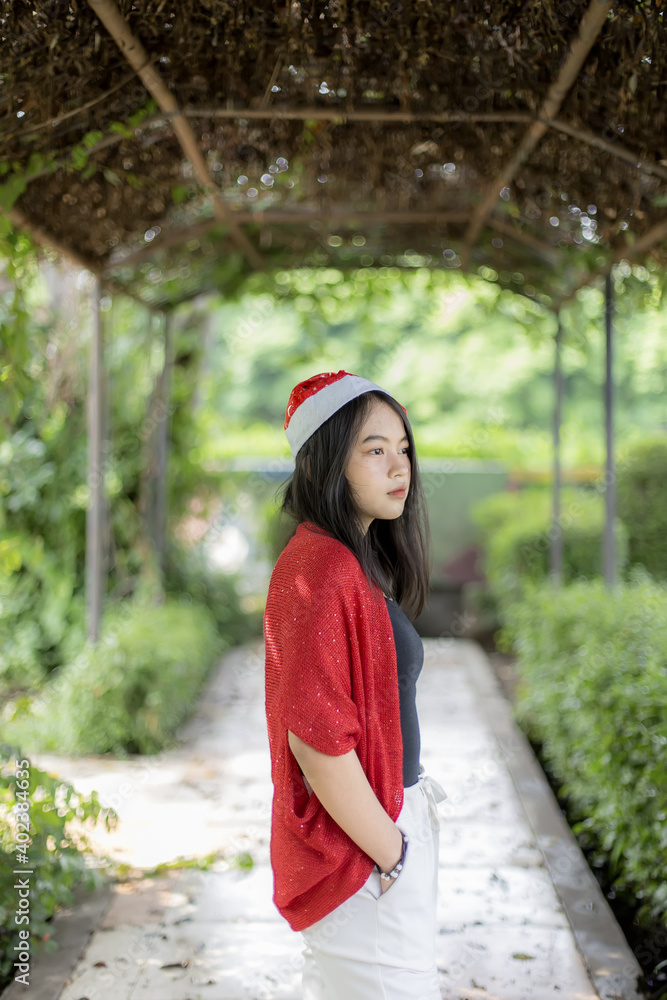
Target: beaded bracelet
x,y
394,873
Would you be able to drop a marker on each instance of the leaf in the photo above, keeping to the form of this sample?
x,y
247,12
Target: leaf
x,y
79,157
112,177
11,191
92,138
179,194
35,164
120,128
243,860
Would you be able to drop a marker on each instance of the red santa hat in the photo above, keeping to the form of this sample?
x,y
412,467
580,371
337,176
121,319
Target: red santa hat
x,y
317,398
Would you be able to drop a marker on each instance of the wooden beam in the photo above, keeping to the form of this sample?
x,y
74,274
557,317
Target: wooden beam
x,y
613,148
45,239
163,438
609,542
616,149
656,234
369,114
589,29
501,226
556,548
95,569
54,122
343,218
138,58
652,237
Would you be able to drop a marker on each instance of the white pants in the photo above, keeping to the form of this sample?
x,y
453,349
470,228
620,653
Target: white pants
x,y
377,946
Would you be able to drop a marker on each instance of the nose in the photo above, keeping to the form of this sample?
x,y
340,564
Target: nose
x,y
401,466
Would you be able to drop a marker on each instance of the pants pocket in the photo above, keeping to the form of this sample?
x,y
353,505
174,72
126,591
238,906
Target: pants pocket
x,y
402,877
372,888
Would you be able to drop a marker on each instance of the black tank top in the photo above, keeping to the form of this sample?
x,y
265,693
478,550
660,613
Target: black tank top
x,y
409,660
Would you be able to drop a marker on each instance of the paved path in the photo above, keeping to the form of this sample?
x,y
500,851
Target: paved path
x,y
520,915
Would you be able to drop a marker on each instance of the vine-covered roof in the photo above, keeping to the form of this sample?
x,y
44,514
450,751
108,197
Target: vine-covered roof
x,y
169,146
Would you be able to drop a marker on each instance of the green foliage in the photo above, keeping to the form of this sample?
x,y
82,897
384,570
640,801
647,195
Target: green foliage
x,y
41,557
383,322
278,529
131,691
187,573
18,265
593,691
642,504
41,620
18,176
514,530
59,818
44,491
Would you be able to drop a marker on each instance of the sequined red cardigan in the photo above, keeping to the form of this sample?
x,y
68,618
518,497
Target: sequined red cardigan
x,y
331,679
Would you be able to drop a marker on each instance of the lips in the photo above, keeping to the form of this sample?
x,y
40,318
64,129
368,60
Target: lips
x,y
398,493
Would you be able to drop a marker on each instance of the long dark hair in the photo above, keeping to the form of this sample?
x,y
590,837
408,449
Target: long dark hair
x,y
394,554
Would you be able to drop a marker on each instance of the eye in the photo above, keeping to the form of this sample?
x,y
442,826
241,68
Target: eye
x,y
374,450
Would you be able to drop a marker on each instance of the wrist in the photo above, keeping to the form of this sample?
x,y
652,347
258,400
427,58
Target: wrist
x,y
389,874
388,859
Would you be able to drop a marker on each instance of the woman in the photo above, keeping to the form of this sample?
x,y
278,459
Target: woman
x,y
354,830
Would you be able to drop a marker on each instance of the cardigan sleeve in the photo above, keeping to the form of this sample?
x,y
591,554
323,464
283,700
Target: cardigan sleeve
x,y
316,668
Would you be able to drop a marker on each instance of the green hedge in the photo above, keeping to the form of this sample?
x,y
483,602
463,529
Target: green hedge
x,y
42,620
592,690
54,851
130,692
514,530
642,504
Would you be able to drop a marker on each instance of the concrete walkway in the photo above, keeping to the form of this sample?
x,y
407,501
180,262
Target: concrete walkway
x,y
520,914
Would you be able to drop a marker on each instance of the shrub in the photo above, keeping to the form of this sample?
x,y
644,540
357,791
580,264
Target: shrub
x,y
514,530
58,820
278,530
186,572
130,691
592,689
41,622
642,504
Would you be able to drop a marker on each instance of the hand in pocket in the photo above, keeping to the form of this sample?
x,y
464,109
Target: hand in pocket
x,y
386,884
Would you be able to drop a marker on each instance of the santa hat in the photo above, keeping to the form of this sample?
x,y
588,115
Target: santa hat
x,y
318,398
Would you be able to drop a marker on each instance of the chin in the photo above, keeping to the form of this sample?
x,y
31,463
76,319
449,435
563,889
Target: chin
x,y
392,515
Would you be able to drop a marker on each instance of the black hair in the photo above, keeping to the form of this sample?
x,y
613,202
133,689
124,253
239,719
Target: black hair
x,y
393,552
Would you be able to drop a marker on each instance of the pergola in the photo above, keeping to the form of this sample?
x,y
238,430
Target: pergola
x,y
172,148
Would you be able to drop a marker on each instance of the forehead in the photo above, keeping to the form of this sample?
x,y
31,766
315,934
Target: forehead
x,y
382,419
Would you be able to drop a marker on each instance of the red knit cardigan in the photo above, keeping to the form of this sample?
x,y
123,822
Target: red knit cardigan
x,y
331,679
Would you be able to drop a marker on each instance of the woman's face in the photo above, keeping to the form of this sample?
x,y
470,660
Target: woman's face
x,y
379,465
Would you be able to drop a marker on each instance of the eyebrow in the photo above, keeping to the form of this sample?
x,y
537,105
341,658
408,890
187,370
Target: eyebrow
x,y
380,437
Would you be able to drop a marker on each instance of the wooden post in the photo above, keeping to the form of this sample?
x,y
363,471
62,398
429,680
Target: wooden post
x,y
163,435
609,553
95,510
556,551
